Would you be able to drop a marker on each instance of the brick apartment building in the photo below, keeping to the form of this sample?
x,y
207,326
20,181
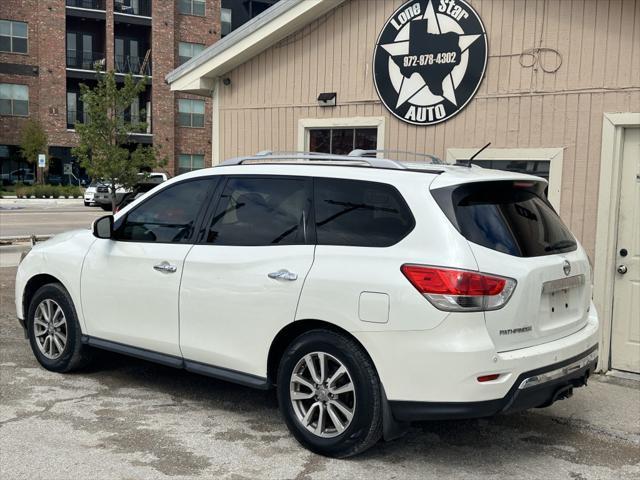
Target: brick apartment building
x,y
49,47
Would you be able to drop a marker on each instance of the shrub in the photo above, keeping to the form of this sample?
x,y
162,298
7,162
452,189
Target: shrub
x,y
23,191
70,191
39,191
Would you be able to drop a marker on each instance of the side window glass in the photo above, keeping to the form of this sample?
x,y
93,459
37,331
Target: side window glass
x,y
358,213
167,217
261,211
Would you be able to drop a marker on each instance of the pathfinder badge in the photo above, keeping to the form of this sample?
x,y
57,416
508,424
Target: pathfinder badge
x,y
429,60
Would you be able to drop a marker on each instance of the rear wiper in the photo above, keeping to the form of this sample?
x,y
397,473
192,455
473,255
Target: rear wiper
x,y
560,245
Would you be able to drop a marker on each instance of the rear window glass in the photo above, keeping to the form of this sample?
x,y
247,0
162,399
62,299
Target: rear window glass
x,y
507,217
358,213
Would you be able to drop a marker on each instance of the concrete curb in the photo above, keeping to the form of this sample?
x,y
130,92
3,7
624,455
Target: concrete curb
x,y
41,201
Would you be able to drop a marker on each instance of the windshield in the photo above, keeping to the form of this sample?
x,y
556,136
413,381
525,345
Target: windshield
x,y
506,216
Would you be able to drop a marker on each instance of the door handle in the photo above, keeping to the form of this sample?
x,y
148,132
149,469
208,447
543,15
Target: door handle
x,y
622,269
283,274
165,267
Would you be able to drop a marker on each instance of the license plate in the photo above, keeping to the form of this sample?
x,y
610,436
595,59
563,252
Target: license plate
x,y
563,284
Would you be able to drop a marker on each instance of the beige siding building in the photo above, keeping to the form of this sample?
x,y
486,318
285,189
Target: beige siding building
x,y
560,97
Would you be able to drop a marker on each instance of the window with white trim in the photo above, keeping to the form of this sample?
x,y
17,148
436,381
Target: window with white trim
x,y
541,162
14,36
341,135
539,168
14,99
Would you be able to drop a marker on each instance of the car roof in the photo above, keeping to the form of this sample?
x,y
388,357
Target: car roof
x,y
357,167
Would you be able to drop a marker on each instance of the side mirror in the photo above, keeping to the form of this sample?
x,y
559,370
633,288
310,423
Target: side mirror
x,y
103,227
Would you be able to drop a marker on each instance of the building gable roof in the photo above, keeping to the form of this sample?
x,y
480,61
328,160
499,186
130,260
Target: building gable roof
x,y
277,22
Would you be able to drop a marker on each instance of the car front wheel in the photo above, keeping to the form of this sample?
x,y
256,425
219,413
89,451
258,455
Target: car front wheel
x,y
329,394
54,332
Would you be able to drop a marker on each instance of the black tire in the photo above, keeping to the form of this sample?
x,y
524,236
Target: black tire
x,y
365,428
75,355
87,204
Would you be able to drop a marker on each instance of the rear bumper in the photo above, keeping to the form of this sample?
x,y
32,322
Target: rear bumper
x,y
533,389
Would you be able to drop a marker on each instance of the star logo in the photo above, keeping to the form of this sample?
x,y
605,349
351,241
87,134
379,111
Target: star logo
x,y
428,64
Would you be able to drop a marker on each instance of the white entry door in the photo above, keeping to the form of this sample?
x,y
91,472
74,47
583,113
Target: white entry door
x,y
625,340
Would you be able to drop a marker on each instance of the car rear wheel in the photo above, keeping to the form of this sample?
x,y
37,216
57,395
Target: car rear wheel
x,y
54,332
329,394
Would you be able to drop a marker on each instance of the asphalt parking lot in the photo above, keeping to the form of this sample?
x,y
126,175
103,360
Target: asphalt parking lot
x,y
129,419
19,217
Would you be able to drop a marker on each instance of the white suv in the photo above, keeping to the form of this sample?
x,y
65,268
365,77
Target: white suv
x,y
370,292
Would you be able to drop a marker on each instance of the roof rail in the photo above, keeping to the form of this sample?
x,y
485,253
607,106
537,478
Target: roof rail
x,y
363,153
311,157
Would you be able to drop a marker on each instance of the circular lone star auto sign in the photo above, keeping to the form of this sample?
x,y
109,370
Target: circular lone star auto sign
x,y
429,60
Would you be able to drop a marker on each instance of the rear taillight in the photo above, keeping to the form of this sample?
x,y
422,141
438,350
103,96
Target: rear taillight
x,y
459,290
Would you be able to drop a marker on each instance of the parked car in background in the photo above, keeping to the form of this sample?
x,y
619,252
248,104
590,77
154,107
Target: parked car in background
x,y
27,179
90,193
370,292
21,175
57,179
102,196
140,189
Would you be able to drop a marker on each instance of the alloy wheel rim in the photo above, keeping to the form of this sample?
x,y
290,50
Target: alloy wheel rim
x,y
50,329
322,394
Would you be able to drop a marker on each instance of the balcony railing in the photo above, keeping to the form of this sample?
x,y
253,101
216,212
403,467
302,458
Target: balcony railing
x,y
133,7
85,60
134,119
133,64
88,4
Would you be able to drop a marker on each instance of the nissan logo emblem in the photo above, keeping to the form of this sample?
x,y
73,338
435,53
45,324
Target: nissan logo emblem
x,y
566,266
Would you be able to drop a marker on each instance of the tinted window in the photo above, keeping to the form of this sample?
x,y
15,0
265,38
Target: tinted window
x,y
539,168
167,217
506,216
341,141
364,214
261,211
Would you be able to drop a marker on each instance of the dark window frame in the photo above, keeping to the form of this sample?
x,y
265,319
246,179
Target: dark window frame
x,y
190,155
13,100
191,45
214,180
191,114
345,128
11,36
229,23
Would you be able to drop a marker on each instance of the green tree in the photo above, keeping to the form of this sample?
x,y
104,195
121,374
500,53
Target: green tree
x,y
33,140
104,139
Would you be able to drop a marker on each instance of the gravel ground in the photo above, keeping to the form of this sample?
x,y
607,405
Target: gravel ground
x,y
128,419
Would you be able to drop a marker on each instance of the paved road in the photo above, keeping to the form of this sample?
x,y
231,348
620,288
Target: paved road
x,y
44,217
125,418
